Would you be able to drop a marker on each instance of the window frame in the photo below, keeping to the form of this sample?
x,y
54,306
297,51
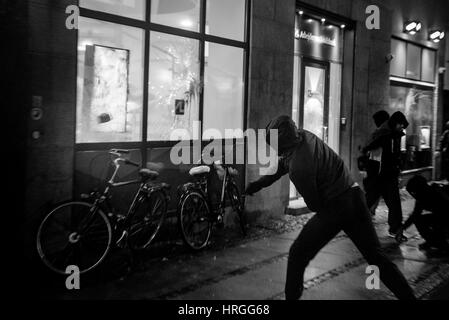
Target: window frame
x,y
421,47
147,26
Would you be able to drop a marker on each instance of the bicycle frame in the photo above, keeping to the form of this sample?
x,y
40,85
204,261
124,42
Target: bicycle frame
x,y
101,201
202,186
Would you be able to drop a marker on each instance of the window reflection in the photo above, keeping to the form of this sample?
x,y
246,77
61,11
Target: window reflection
x,y
226,18
184,14
109,83
174,86
223,91
131,9
413,62
416,104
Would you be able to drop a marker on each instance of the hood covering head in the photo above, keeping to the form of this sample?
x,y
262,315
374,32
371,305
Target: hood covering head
x,y
287,133
447,126
417,185
380,117
398,118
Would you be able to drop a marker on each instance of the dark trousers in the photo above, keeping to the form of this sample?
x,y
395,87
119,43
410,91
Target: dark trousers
x,y
431,229
387,188
347,212
367,184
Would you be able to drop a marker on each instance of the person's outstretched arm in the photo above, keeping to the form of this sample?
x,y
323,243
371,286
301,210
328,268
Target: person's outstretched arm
x,y
267,180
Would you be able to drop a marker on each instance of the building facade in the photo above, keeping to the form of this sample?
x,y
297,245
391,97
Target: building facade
x,y
133,72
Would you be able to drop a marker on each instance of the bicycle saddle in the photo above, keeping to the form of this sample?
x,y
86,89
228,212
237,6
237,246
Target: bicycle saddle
x,y
199,170
148,174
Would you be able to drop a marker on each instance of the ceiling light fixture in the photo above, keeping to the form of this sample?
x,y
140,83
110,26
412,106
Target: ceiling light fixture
x,y
412,27
436,36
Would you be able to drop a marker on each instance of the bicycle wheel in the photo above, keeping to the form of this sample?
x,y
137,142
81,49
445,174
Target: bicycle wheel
x,y
147,220
237,205
71,236
194,220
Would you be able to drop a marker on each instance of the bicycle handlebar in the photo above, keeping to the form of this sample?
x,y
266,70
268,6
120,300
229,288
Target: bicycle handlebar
x,y
119,151
131,163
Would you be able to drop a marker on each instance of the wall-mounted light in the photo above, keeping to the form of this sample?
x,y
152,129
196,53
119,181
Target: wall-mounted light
x,y
436,36
343,26
323,20
300,12
412,27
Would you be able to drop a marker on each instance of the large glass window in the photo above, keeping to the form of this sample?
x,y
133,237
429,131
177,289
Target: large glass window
x,y
127,8
184,14
428,65
110,82
140,84
174,86
399,52
220,12
413,62
223,91
416,104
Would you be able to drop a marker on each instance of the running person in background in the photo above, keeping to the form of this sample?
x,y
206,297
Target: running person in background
x,y
386,144
373,164
322,178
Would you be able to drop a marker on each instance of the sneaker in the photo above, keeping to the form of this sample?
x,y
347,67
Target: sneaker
x,y
399,237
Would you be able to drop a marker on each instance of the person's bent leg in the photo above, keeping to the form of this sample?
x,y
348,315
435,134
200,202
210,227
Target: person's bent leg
x,y
314,236
373,193
359,227
431,231
390,193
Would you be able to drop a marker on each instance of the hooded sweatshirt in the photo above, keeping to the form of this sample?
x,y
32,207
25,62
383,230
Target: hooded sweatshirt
x,y
317,172
388,140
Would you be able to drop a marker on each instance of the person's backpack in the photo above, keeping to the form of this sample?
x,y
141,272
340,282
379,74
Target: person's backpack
x,y
362,162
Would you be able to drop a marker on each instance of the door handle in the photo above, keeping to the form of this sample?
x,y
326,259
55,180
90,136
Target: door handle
x,y
325,134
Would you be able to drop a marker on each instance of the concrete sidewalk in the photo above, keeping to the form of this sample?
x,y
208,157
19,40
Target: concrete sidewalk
x,y
255,270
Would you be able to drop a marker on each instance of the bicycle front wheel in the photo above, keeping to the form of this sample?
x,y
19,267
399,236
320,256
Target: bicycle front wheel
x,y
74,234
147,220
194,220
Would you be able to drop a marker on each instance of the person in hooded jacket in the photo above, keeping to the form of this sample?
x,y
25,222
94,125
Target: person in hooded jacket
x,y
434,225
385,143
324,181
372,166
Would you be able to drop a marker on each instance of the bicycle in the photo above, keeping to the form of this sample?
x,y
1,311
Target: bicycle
x,y
196,212
81,232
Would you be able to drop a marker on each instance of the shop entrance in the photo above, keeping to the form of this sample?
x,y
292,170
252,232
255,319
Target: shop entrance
x,y
312,111
314,106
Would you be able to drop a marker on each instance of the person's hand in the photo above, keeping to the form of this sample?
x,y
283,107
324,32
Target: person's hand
x,y
363,174
251,189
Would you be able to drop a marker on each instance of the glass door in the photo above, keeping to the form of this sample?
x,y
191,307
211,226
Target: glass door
x,y
311,101
314,108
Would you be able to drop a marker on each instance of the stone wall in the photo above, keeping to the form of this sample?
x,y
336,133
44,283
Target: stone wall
x,y
52,55
270,88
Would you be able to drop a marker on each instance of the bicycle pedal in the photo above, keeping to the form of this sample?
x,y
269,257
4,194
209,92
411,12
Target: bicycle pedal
x,y
220,222
121,243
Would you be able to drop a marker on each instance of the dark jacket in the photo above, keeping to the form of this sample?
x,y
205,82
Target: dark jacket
x,y
317,172
434,198
389,140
